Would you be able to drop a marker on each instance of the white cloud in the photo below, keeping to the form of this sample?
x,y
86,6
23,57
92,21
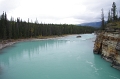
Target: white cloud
x,y
58,11
7,5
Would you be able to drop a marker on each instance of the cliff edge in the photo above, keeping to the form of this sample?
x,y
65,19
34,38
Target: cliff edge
x,y
107,44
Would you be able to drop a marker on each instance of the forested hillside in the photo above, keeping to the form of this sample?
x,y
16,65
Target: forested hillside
x,y
14,29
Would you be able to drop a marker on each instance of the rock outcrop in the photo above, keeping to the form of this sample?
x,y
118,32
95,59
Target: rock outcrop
x,y
107,44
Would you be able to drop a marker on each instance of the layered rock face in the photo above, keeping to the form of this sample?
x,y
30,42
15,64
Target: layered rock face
x,y
107,44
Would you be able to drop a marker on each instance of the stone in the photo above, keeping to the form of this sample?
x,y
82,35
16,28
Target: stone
x,y
107,44
118,46
78,36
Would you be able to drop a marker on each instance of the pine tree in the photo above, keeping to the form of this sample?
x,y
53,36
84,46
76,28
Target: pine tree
x,y
22,29
119,15
114,11
103,22
4,25
109,17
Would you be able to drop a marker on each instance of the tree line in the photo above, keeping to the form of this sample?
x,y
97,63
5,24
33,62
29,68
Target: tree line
x,y
15,29
113,15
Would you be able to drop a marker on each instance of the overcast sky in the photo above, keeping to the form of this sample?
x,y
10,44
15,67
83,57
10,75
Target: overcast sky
x,y
57,11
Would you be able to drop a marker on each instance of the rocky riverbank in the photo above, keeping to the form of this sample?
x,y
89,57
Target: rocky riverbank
x,y
5,43
107,44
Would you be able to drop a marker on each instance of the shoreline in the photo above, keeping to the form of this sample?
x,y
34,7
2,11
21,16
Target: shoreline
x,y
9,42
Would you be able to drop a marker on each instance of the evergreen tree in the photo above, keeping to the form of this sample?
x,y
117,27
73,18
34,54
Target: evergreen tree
x,y
114,11
109,17
103,22
119,15
21,29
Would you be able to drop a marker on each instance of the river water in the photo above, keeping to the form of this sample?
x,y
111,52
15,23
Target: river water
x,y
60,58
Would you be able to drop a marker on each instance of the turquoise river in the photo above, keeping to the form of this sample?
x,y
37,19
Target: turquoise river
x,y
59,58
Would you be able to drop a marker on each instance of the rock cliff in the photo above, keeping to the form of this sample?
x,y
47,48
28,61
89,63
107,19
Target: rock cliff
x,y
107,44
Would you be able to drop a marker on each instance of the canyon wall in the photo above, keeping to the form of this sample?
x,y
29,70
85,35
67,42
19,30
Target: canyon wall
x,y
107,44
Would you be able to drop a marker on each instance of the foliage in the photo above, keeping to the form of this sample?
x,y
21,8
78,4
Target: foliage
x,y
113,18
10,29
115,24
113,14
114,11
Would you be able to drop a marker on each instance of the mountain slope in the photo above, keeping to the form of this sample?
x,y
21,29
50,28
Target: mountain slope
x,y
93,24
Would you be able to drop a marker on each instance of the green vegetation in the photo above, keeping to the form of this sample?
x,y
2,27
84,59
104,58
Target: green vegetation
x,y
113,14
10,29
113,18
115,24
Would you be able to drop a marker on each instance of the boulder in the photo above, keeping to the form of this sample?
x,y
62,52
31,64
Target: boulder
x,y
78,36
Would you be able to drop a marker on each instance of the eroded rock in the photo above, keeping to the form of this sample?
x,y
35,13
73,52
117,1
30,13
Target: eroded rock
x,y
107,44
118,46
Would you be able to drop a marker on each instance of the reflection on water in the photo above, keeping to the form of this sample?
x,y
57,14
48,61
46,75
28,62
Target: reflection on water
x,y
64,58
28,48
0,70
